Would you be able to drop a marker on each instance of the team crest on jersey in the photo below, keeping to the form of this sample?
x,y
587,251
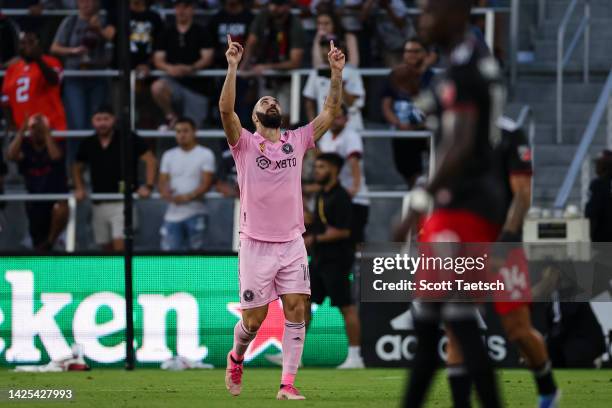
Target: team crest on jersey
x,y
448,94
248,295
263,162
524,153
262,147
287,148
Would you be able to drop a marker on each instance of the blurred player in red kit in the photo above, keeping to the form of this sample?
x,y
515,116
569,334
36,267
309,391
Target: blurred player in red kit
x,y
514,158
465,189
32,85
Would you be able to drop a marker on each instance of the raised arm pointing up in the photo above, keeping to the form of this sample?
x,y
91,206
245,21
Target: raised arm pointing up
x,y
333,102
231,123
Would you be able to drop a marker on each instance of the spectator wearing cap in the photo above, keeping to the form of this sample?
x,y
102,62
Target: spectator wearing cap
x,y
276,41
40,161
401,113
84,41
346,142
328,24
599,205
186,174
184,48
101,152
317,87
32,85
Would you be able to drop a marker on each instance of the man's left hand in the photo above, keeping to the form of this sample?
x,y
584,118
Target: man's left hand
x,y
144,192
308,241
336,57
259,69
181,199
410,223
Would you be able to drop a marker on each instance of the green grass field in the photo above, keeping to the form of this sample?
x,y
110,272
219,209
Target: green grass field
x,y
149,388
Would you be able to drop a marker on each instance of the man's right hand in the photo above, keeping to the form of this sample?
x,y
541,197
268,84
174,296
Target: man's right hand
x,y
234,52
80,50
80,194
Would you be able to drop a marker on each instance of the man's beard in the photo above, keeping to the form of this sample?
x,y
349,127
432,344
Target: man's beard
x,y
272,121
324,181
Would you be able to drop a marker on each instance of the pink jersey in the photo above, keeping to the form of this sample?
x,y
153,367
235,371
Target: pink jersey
x,y
270,181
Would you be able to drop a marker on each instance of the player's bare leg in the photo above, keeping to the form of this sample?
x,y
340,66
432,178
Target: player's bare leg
x,y
518,328
294,307
244,332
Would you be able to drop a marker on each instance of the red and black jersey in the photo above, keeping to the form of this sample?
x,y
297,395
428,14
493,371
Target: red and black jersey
x,y
473,83
513,155
27,93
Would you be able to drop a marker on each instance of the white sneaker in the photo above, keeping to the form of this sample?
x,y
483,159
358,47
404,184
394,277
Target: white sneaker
x,y
351,363
277,359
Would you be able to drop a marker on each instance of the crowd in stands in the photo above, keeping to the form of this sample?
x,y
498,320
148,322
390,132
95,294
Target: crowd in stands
x,y
279,35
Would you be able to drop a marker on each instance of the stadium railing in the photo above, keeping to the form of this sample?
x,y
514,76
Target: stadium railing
x,y
581,158
564,55
488,12
72,206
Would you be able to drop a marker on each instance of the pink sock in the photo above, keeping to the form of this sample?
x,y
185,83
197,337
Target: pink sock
x,y
293,345
242,339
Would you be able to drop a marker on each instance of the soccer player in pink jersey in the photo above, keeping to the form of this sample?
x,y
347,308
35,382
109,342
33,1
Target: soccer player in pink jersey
x,y
272,256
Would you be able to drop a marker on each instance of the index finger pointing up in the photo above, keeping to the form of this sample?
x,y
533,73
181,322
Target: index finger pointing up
x,y
229,39
331,45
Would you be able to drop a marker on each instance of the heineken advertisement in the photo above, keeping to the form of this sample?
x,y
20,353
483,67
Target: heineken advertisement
x,y
183,305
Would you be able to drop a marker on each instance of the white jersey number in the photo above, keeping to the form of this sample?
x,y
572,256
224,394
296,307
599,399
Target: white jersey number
x,y
23,89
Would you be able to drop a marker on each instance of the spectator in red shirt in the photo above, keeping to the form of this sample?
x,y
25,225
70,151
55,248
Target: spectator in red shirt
x,y
32,85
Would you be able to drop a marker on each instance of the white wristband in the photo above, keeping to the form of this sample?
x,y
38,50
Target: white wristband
x,y
420,200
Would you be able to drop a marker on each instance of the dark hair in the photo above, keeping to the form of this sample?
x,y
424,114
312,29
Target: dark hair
x,y
31,32
104,108
463,6
185,119
603,164
332,158
418,40
338,28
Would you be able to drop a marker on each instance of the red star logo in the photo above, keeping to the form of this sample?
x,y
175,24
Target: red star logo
x,y
270,333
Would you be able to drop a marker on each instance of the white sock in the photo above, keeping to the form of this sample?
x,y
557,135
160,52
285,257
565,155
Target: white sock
x,y
354,352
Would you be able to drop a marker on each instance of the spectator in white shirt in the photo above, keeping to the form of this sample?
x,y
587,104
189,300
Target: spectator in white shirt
x,y
186,175
347,143
317,87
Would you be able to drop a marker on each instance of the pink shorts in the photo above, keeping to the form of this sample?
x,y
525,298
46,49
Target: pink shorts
x,y
268,270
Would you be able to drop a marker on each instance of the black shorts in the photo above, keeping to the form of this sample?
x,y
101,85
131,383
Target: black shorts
x,y
39,220
359,220
330,277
